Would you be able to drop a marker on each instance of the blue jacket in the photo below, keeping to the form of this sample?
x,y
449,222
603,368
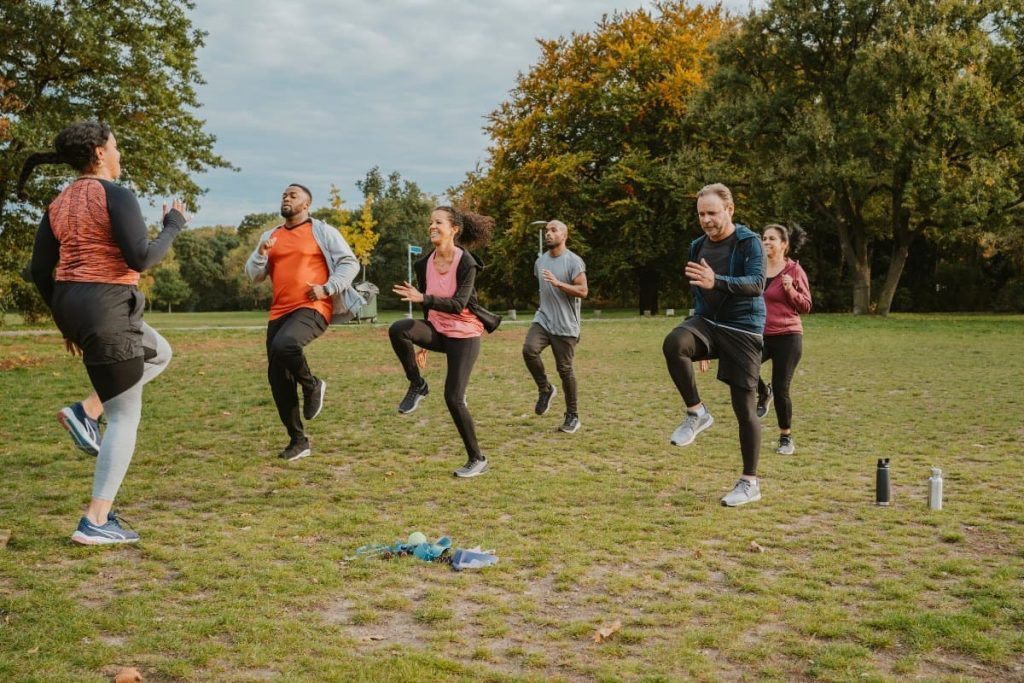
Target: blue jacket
x,y
743,307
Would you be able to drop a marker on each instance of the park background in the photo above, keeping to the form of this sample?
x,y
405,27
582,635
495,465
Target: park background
x,y
893,131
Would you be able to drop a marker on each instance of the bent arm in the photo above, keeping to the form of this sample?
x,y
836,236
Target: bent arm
x,y
752,282
799,296
45,255
346,265
465,281
256,264
577,288
129,229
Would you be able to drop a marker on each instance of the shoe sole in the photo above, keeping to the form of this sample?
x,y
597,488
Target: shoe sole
x,y
767,409
694,438
77,430
299,456
415,405
81,539
788,451
554,392
320,407
742,502
570,431
485,469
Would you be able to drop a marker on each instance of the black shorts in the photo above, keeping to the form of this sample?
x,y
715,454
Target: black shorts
x,y
104,320
738,352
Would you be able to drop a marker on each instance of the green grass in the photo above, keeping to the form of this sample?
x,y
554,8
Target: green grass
x,y
243,571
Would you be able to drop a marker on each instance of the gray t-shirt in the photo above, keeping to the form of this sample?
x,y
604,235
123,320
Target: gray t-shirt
x,y
558,313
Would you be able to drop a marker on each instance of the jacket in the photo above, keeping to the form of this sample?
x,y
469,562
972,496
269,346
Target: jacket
x,y
743,307
465,291
784,308
342,267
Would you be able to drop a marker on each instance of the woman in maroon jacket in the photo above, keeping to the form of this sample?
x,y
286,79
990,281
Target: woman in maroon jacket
x,y
786,295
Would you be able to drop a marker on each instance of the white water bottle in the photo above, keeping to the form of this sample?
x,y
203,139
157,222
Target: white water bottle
x,y
935,489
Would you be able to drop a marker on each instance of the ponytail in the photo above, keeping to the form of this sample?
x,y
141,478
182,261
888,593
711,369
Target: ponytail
x,y
75,146
475,230
30,165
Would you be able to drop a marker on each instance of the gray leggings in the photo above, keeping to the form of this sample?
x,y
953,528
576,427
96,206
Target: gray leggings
x,y
123,414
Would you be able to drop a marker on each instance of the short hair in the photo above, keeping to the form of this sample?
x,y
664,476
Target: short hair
x,y
304,189
559,223
719,190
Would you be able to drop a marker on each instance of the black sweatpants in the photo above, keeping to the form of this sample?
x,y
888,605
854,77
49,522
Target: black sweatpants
x,y
563,348
681,347
461,355
286,363
784,351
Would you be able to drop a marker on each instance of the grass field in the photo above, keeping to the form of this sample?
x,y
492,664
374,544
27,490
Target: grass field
x,y
243,571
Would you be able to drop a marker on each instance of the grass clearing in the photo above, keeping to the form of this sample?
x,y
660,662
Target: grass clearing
x,y
242,573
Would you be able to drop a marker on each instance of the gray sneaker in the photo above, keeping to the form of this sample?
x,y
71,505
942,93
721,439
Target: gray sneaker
x,y
745,491
692,426
786,446
473,468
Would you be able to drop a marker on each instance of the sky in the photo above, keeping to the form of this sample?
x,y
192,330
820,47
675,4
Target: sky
x,y
320,91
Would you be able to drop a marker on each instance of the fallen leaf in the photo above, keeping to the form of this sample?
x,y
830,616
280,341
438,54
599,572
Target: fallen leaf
x,y
389,473
756,547
33,651
697,554
606,631
128,675
226,413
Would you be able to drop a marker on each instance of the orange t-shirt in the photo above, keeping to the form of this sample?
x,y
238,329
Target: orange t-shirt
x,y
81,223
293,261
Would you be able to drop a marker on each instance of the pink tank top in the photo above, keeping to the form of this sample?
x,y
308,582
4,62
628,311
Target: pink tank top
x,y
456,325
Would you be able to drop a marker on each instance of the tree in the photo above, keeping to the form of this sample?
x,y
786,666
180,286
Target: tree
x,y
202,256
257,223
588,136
169,287
361,236
129,63
881,121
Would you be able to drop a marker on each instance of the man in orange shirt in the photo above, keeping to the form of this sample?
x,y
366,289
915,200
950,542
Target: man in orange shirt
x,y
312,268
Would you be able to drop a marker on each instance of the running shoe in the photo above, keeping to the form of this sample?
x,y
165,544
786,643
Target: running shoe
x,y
693,425
786,446
110,533
472,468
84,430
764,400
415,394
571,424
745,491
313,400
544,400
297,449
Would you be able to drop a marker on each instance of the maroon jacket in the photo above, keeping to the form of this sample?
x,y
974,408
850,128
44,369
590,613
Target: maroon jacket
x,y
784,308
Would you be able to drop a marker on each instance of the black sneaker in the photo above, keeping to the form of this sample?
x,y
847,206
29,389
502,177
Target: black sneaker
x,y
413,396
472,468
544,400
571,424
313,400
298,448
764,400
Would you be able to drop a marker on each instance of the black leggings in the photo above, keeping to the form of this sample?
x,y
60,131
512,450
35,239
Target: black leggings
x,y
784,351
287,368
461,354
681,347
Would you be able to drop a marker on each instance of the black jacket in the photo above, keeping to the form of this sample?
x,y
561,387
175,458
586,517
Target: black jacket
x,y
465,291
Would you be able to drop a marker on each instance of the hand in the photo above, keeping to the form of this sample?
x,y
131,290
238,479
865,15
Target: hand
x,y
316,292
700,274
421,358
408,293
787,282
704,365
178,206
266,246
550,278
72,348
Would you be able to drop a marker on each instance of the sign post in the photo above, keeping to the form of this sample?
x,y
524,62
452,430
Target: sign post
x,y
413,251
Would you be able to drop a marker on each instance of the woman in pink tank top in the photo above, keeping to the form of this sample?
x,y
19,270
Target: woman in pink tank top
x,y
454,320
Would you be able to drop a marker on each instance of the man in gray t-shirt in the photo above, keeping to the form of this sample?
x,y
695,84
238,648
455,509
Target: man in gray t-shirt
x,y
563,283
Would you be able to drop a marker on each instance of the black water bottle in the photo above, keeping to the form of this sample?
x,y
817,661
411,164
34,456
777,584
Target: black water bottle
x,y
883,487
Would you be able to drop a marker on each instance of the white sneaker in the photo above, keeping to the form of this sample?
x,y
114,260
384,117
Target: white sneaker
x,y
745,491
692,426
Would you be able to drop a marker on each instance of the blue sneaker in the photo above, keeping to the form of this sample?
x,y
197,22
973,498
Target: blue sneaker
x,y
88,533
84,430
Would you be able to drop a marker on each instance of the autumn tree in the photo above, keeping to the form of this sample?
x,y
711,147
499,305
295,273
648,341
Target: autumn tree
x,y
129,63
878,121
359,234
587,136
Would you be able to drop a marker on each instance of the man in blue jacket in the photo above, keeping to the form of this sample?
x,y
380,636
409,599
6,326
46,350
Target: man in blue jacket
x,y
726,274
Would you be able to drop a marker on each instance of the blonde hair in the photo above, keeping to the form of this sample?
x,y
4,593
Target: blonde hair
x,y
718,189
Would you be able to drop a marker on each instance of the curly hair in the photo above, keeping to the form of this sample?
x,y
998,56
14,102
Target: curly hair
x,y
75,146
792,238
475,230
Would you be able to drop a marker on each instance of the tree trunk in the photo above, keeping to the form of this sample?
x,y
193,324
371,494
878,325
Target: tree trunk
x,y
854,244
861,288
648,281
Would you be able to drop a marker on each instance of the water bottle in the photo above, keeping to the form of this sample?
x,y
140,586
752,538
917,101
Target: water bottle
x,y
883,487
935,489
